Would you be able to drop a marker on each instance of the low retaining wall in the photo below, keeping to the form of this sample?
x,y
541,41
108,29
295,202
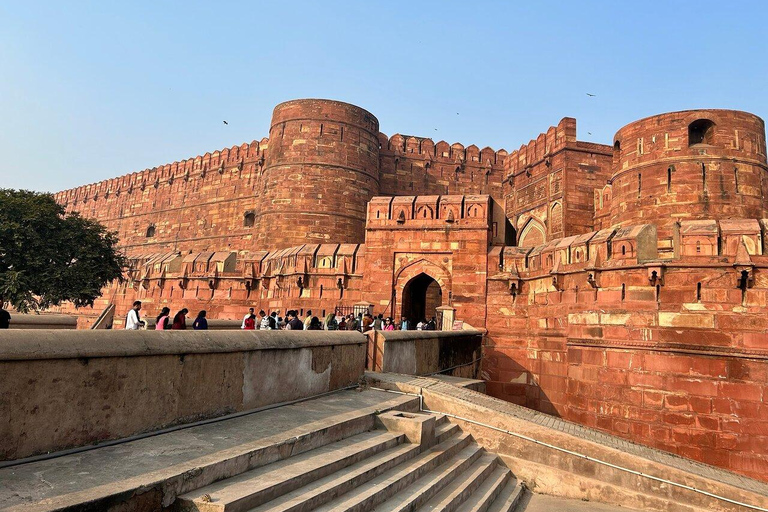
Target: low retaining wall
x,y
455,353
43,321
66,389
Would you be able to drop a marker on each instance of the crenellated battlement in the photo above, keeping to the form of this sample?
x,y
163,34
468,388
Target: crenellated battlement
x,y
246,157
546,144
442,150
429,211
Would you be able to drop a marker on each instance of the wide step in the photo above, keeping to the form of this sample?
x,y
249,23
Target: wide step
x,y
263,484
365,497
317,493
485,495
448,490
508,498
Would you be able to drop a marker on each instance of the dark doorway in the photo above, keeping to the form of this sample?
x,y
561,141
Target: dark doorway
x,y
421,297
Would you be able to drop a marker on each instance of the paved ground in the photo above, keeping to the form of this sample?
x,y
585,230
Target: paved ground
x,y
30,483
544,503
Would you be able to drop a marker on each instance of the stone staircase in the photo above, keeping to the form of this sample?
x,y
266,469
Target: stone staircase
x,y
408,462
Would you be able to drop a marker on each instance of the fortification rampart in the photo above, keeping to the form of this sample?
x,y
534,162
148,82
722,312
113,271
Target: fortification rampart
x,y
418,166
201,203
695,164
670,353
549,183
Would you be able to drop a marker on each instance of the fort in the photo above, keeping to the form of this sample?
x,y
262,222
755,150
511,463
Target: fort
x,y
622,287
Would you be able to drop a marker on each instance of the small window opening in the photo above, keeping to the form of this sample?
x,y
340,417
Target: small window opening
x,y
623,250
623,292
669,178
658,291
249,219
736,178
639,183
700,132
377,214
698,292
704,175
150,231
698,247
321,293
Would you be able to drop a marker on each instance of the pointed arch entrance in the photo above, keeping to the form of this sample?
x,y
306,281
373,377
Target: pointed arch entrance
x,y
421,286
422,296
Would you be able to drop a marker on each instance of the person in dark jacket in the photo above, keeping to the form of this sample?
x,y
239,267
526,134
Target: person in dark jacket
x,y
315,324
200,323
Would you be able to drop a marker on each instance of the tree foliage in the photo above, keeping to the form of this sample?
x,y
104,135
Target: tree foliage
x,y
48,257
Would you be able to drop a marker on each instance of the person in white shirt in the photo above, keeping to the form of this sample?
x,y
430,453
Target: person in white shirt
x,y
246,317
133,321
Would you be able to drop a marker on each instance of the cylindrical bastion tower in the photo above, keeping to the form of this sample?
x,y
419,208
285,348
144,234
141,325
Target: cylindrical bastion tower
x,y
322,168
694,164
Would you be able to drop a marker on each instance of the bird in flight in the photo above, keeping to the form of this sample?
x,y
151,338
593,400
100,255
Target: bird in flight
x,y
588,94
225,122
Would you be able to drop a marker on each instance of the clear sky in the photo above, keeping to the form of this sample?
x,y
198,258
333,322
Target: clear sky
x,y
94,90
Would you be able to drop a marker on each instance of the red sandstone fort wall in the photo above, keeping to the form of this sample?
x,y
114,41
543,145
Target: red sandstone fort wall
x,y
696,164
550,182
418,166
197,204
673,355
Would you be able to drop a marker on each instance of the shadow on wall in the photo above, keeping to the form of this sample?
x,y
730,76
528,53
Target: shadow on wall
x,y
509,380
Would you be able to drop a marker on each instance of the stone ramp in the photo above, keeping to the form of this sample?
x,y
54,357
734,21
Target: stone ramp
x,y
378,470
156,469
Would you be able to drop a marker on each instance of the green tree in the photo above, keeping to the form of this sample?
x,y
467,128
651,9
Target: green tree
x,y
48,257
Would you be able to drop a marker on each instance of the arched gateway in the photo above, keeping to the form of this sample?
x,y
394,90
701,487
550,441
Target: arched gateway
x,y
422,296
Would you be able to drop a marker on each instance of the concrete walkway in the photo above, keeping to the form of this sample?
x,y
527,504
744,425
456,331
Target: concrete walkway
x,y
544,503
114,466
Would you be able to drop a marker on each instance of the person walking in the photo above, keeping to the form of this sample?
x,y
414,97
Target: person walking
x,y
404,324
295,324
378,322
353,324
133,321
315,324
273,320
162,322
200,323
5,318
389,325
343,323
330,322
263,320
308,319
250,313
180,320
250,323
367,322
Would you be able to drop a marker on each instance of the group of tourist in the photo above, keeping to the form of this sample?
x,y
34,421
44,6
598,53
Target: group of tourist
x,y
163,321
363,322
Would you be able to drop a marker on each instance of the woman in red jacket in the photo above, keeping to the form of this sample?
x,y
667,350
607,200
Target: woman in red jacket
x,y
180,320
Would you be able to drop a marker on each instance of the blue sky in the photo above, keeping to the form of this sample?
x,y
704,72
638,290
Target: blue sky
x,y
93,90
